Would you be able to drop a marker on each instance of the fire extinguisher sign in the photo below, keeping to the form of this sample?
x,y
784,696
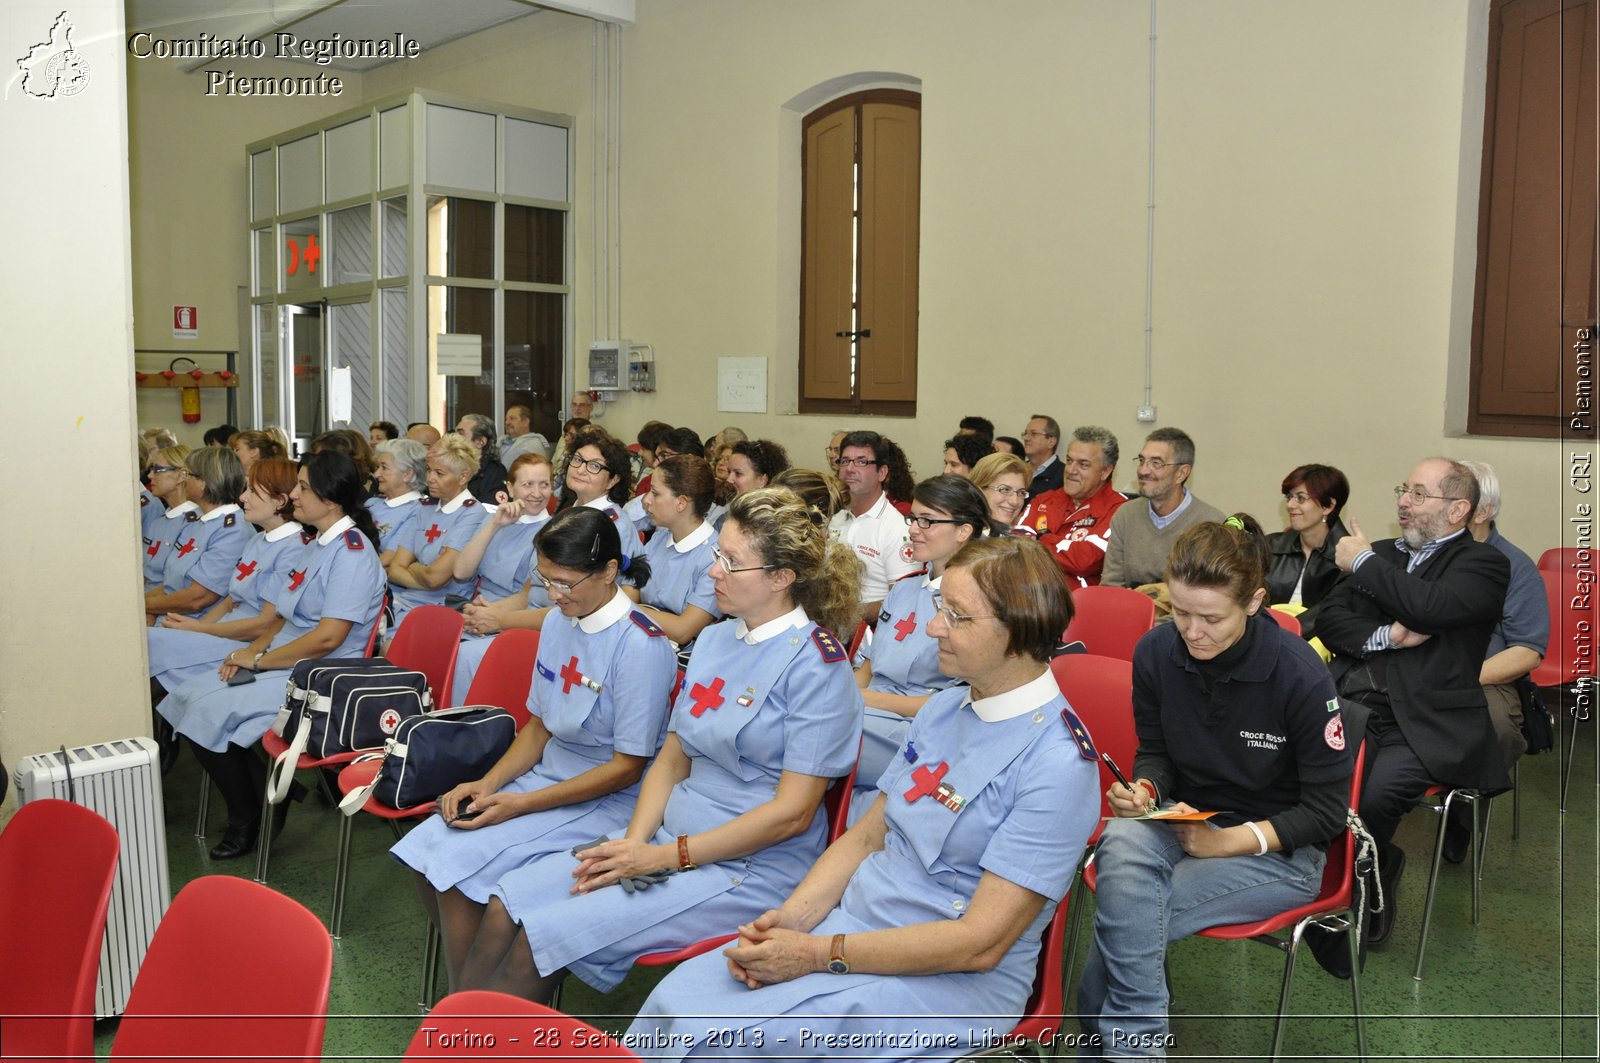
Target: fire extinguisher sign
x,y
185,323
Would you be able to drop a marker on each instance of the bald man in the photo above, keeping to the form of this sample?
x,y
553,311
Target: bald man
x,y
423,433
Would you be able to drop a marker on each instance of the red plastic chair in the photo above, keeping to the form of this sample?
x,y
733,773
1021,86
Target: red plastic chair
x,y
502,680
1334,908
57,863
1573,621
428,641
1288,622
856,640
1100,691
1558,558
1110,621
1044,1014
194,1001
478,1024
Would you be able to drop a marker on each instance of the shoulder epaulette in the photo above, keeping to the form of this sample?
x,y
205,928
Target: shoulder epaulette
x,y
1080,735
469,502
831,648
429,501
191,516
354,540
306,535
144,500
645,624
230,520
613,513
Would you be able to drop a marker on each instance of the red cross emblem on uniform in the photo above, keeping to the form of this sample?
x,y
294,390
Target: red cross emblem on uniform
x,y
902,628
155,548
433,533
296,578
706,697
927,780
184,548
245,571
570,675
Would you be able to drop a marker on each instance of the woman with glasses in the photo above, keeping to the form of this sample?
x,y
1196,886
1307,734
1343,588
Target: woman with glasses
x,y
327,607
169,484
199,563
599,475
729,816
599,709
1003,479
1237,717
901,670
501,558
1303,570
681,597
423,568
925,920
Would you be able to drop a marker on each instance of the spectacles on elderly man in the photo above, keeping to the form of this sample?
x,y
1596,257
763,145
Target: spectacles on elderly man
x,y
1419,496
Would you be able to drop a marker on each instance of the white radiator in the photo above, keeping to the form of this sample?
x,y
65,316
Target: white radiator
x,y
121,780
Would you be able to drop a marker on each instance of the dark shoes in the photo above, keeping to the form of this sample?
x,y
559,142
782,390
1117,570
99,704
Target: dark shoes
x,y
1458,832
236,842
1390,868
1331,948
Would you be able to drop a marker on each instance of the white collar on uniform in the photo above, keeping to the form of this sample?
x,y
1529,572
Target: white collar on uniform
x,y
400,500
1015,702
603,504
283,531
618,607
456,502
694,538
534,518
220,511
180,509
931,582
340,526
795,617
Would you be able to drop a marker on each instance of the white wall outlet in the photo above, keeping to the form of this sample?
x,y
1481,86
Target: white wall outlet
x,y
1145,413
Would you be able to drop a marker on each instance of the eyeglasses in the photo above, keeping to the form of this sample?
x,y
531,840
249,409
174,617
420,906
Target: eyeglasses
x,y
556,585
927,522
1419,496
1298,497
1157,464
727,565
596,467
953,618
1006,490
860,463
166,468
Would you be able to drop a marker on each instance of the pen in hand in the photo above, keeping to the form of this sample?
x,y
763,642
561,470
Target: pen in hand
x,y
1149,803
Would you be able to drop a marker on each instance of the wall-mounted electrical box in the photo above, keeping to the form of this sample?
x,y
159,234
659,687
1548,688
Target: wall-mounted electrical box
x,y
606,361
642,368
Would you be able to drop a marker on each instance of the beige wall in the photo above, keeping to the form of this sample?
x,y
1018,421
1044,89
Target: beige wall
x,y
71,637
1316,172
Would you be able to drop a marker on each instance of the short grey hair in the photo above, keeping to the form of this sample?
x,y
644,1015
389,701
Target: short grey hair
x,y
410,457
219,469
1182,446
1104,438
1488,488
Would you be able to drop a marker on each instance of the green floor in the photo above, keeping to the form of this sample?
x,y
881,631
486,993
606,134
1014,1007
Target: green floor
x,y
1522,985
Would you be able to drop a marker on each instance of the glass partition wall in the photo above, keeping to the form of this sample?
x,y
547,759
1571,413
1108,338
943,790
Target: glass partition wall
x,y
374,232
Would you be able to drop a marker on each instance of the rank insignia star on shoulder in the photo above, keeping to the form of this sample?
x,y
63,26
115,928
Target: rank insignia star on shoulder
x,y
832,651
1080,735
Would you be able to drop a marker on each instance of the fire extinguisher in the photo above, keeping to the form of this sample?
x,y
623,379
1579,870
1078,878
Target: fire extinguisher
x,y
189,396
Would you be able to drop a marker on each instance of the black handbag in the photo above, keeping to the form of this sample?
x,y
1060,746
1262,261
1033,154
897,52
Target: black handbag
x,y
434,753
1538,723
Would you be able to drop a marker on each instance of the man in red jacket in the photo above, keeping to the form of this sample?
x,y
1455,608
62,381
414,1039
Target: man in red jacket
x,y
1074,520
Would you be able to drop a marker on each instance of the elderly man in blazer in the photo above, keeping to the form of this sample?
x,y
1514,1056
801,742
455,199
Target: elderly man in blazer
x,y
1410,629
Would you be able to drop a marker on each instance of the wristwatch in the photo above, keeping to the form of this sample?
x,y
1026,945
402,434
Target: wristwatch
x,y
255,665
836,960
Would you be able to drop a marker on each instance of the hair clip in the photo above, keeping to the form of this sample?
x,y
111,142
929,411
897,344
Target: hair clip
x,y
1234,522
594,549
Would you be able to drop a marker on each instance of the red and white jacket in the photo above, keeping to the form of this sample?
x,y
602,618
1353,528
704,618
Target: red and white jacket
x,y
1076,534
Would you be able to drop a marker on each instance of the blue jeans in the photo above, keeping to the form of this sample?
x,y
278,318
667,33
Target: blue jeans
x,y
1149,892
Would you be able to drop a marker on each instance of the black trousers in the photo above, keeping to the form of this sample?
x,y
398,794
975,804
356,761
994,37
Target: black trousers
x,y
1395,779
241,778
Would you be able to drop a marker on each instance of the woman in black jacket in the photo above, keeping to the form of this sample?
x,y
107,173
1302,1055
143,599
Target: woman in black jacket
x,y
1303,570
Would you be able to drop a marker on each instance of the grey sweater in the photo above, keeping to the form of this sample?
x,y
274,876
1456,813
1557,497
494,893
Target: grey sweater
x,y
1136,551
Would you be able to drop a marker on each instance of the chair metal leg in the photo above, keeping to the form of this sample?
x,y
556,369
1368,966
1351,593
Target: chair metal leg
x,y
1076,892
205,806
1585,690
1355,991
1480,838
341,874
1516,800
430,968
264,839
1433,882
1291,949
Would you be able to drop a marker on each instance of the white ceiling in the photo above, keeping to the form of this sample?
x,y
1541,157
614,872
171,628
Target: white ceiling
x,y
429,22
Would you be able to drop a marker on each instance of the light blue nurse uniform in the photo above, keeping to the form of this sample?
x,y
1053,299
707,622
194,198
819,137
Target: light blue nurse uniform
x,y
393,517
435,527
268,558
205,551
342,578
506,567
159,533
1025,792
745,714
680,571
631,660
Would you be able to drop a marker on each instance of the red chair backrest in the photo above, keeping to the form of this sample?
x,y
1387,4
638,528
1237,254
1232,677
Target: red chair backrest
x,y
837,800
194,1000
855,642
1042,1017
506,672
1572,627
1557,558
478,1024
427,641
1287,621
57,863
1100,691
1110,621
1338,876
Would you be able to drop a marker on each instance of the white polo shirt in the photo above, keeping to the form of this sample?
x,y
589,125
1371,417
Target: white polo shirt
x,y
881,539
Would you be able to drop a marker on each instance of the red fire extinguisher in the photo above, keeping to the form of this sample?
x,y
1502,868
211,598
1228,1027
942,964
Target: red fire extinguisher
x,y
189,396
